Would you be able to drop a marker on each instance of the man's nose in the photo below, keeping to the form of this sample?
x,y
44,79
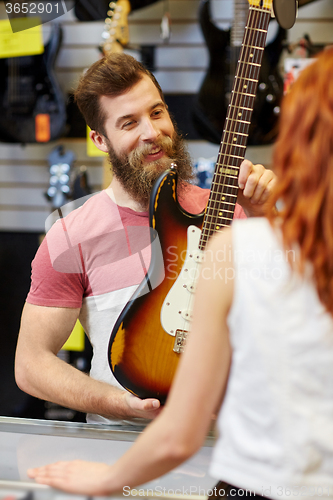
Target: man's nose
x,y
149,131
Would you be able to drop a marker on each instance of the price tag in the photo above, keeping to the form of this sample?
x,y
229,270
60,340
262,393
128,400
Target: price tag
x,y
26,41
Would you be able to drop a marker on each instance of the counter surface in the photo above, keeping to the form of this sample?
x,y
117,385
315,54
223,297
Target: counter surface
x,y
28,443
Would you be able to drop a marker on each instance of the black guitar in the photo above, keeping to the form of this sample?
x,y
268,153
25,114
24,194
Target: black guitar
x,y
32,106
213,98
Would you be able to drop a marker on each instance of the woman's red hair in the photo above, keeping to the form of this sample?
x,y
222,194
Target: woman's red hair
x,y
303,162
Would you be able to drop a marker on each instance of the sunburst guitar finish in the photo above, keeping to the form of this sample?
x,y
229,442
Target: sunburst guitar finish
x,y
141,352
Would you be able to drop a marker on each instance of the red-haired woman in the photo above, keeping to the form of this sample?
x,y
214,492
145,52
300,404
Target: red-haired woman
x,y
261,344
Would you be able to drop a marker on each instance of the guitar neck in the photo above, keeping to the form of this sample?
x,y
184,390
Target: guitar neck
x,y
223,195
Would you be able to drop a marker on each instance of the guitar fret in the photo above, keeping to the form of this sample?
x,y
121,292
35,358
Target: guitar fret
x,y
226,175
224,203
248,87
238,121
229,194
243,93
239,107
250,63
258,9
222,164
246,78
233,145
224,210
238,133
208,232
238,91
218,200
256,29
253,47
219,210
236,156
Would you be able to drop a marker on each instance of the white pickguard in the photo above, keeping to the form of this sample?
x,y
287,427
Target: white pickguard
x,y
176,312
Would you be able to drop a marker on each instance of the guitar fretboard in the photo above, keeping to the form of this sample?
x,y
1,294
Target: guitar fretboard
x,y
223,195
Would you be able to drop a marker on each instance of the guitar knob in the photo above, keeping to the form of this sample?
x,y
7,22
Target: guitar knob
x,y
51,191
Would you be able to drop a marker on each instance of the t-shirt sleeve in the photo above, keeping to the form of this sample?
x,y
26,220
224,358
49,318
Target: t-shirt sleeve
x,y
51,287
239,212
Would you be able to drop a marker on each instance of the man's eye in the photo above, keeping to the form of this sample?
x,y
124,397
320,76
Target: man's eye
x,y
128,124
157,112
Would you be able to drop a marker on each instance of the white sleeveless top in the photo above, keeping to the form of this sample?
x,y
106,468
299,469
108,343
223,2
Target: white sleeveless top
x,y
276,422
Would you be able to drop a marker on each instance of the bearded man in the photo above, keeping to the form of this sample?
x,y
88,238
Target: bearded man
x,y
84,269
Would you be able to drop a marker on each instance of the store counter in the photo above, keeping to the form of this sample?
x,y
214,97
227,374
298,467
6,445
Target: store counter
x,y
26,443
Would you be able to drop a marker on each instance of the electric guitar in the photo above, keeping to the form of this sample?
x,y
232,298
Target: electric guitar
x,y
212,100
32,106
150,333
115,34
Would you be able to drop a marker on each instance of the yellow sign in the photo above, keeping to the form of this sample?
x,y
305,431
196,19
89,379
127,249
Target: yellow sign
x,y
75,342
92,150
24,42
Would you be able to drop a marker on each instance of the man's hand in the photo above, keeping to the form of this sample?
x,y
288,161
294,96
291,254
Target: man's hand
x,y
256,184
143,408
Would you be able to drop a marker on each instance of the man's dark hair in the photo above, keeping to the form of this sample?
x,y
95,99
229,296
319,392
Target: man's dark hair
x,y
113,75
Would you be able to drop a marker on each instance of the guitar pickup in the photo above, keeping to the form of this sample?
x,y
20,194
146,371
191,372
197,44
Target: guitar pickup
x,y
180,341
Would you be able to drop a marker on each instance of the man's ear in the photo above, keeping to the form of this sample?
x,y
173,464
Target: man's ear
x,y
99,140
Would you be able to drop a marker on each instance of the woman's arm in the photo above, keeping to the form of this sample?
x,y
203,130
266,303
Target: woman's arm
x,y
197,391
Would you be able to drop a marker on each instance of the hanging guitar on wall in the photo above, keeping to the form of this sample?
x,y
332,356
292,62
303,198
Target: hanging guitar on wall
x,y
94,10
150,333
32,106
212,100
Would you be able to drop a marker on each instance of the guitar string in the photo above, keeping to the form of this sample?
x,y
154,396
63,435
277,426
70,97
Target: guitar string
x,y
233,109
225,148
251,40
239,98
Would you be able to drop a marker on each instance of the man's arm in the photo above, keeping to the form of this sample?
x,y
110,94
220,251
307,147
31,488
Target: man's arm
x,y
39,372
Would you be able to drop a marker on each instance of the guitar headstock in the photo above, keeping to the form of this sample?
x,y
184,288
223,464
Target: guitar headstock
x,y
115,34
285,11
60,165
264,4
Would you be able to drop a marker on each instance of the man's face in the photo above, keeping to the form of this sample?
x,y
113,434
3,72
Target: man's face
x,y
136,119
141,139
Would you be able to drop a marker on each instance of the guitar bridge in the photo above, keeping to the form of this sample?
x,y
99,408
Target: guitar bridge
x,y
180,341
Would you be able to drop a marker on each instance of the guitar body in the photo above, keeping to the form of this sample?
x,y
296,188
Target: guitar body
x,y
31,102
141,354
213,98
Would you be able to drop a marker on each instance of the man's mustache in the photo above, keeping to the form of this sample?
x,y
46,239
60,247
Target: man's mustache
x,y
139,153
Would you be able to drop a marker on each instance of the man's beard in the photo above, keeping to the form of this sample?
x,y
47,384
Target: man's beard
x,y
138,177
